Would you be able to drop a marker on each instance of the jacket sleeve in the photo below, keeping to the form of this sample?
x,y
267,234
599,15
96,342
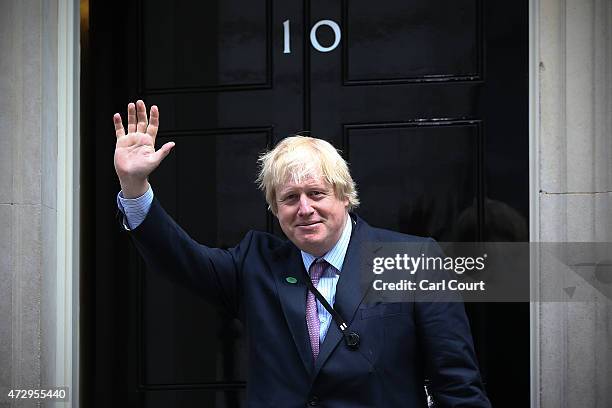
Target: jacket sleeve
x,y
167,249
445,337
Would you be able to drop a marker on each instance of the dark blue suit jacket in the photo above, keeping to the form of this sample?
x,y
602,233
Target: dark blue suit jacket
x,y
401,343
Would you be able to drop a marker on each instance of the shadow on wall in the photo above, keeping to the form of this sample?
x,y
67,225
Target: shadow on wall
x,y
502,223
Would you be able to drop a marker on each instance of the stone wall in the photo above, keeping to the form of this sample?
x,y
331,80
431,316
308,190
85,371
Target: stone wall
x,y
573,355
28,183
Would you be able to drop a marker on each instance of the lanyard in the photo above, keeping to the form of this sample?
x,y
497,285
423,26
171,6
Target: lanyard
x,y
351,339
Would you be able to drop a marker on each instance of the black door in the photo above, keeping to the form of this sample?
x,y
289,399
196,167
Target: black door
x,y
427,100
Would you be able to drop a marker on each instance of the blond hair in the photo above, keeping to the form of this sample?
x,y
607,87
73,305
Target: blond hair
x,y
297,158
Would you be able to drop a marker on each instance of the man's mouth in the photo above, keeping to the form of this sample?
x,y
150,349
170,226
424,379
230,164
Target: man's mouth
x,y
308,224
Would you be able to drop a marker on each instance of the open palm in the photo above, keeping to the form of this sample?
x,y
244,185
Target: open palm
x,y
135,155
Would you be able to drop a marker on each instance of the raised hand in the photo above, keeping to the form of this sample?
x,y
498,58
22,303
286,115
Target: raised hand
x,y
135,155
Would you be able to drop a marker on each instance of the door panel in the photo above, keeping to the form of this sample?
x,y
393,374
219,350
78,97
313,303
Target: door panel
x,y
191,46
218,168
411,41
409,194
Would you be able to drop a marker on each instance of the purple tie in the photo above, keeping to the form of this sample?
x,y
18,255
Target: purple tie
x,y
312,316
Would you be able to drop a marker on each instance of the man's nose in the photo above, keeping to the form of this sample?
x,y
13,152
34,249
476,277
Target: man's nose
x,y
305,207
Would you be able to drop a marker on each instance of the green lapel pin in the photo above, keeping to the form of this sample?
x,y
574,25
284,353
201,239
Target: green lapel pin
x,y
291,279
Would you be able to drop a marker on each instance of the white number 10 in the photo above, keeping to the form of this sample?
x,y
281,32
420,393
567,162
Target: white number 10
x,y
313,36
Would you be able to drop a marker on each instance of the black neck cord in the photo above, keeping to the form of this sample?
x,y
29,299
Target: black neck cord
x,y
351,339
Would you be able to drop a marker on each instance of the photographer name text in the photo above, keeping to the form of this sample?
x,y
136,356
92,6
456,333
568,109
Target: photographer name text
x,y
426,285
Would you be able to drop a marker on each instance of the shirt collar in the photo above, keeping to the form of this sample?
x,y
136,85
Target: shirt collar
x,y
335,256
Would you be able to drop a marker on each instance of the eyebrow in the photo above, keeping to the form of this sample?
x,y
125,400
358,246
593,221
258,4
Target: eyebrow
x,y
293,189
284,193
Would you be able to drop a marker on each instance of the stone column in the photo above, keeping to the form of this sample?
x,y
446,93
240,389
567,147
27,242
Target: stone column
x,y
28,197
573,76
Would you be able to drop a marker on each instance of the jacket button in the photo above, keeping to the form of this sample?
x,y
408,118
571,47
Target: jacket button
x,y
313,401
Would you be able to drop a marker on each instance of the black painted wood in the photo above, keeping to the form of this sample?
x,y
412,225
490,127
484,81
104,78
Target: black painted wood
x,y
427,100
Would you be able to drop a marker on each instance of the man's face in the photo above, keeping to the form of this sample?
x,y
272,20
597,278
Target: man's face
x,y
310,214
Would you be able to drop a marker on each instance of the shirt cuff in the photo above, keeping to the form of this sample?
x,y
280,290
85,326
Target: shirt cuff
x,y
135,210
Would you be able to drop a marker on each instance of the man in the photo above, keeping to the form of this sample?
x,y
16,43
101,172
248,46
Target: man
x,y
297,353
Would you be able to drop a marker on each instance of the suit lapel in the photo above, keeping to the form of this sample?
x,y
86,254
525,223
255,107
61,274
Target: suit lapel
x,y
292,297
348,292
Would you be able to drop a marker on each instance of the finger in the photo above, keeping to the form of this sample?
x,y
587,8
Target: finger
x,y
153,122
141,112
163,152
131,118
119,130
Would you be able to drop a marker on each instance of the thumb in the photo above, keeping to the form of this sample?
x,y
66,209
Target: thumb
x,y
163,151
